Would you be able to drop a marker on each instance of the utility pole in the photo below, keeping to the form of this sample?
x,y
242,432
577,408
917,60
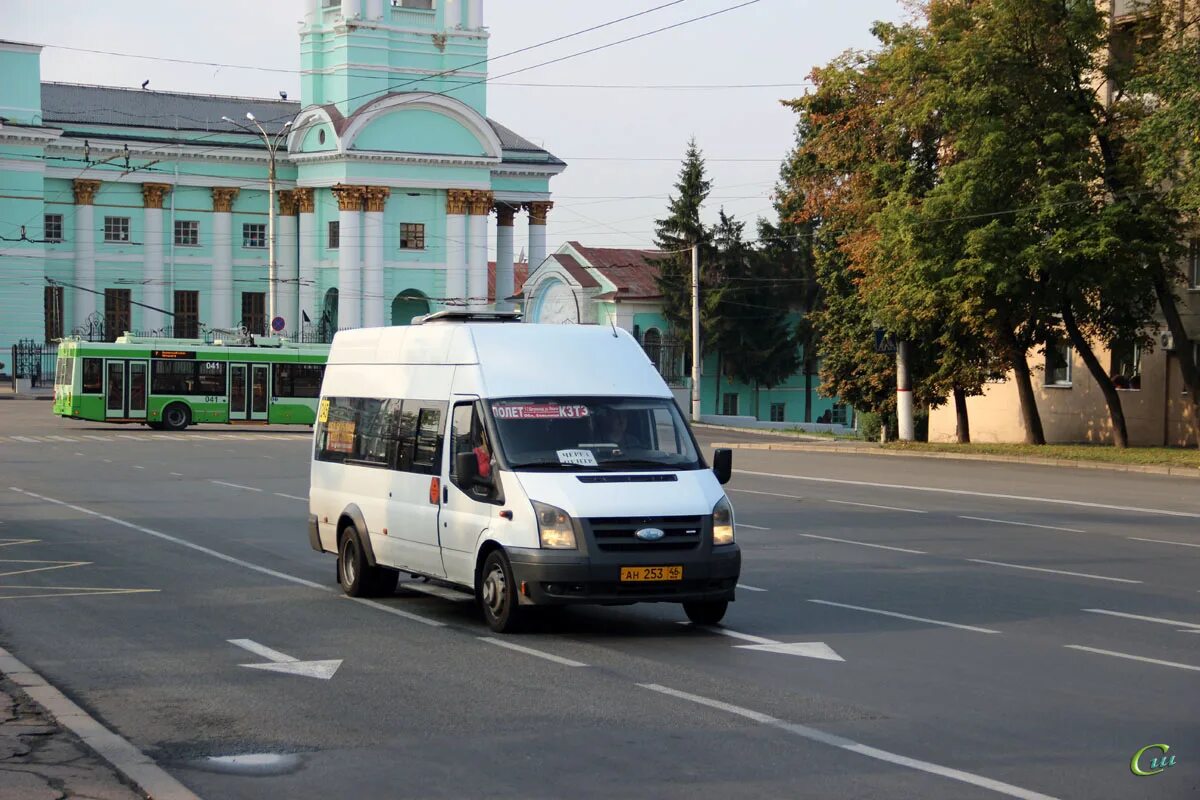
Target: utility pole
x,y
272,149
695,333
904,398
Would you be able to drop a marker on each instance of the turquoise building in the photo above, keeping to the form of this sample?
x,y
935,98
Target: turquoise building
x,y
577,284
126,209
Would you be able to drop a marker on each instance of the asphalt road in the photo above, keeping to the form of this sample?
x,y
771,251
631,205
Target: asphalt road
x,y
1003,630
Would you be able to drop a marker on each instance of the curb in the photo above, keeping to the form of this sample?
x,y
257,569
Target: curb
x,y
137,767
1143,469
800,437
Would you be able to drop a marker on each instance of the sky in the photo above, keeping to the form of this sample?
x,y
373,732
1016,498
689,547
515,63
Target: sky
x,y
623,146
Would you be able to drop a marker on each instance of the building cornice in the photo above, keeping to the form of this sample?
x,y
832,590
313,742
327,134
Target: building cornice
x,y
19,47
379,156
23,134
101,149
397,183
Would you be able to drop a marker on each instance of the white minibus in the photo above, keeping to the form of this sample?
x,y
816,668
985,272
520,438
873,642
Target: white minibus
x,y
534,465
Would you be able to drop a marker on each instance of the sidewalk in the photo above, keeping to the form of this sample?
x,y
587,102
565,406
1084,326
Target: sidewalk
x,y
40,393
41,761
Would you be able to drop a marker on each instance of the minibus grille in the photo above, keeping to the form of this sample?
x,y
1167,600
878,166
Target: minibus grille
x,y
617,534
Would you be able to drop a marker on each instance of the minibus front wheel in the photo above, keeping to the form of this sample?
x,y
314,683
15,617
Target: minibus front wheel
x,y
708,612
498,593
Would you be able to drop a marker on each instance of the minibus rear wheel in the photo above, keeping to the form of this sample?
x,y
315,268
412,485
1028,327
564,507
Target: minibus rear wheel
x,y
498,594
706,613
356,576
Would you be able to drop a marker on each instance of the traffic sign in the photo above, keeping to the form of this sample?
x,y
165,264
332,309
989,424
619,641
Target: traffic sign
x,y
277,324
884,341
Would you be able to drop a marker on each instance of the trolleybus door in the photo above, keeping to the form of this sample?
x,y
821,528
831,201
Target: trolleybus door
x,y
126,386
248,398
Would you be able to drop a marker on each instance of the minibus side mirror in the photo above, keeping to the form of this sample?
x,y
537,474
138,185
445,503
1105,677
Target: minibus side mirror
x,y
723,465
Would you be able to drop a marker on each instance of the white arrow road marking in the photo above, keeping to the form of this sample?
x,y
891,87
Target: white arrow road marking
x,y
809,649
282,662
761,643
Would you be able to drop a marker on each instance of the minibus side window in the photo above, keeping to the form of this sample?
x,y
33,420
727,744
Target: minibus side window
x,y
470,437
428,440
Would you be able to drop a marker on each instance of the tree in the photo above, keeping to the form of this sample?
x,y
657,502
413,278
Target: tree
x,y
676,234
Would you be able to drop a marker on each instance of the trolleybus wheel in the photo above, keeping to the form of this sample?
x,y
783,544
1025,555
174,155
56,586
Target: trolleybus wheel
x,y
176,417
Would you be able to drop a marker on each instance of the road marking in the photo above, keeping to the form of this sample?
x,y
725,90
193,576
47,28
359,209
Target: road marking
x,y
909,617
236,486
1022,524
55,565
25,439
61,439
176,474
864,544
11,542
1054,571
230,559
131,762
67,591
96,438
1159,620
750,588
529,651
107,460
1131,657
816,735
290,496
79,454
966,492
135,466
1163,541
282,662
129,436
872,505
762,644
752,527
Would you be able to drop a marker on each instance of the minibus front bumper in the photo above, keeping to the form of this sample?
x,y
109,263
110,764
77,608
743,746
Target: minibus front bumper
x,y
556,577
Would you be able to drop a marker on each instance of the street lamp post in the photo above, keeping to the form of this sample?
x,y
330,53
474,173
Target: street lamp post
x,y
272,145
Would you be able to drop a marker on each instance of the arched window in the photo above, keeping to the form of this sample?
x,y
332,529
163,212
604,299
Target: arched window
x,y
652,344
408,305
555,303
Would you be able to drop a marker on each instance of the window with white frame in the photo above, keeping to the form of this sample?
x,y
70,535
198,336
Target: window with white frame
x,y
52,228
837,414
116,229
1058,363
187,233
412,236
254,235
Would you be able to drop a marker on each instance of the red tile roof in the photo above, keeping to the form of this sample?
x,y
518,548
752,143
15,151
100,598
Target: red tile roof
x,y
520,273
633,272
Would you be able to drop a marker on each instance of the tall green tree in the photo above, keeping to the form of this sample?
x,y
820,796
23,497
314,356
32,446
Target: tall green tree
x,y
679,231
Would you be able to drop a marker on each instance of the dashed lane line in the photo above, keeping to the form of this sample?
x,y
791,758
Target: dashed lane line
x,y
1159,620
752,527
965,492
1132,657
1162,541
864,544
236,486
821,737
290,496
529,651
750,588
1022,524
908,617
873,505
1053,571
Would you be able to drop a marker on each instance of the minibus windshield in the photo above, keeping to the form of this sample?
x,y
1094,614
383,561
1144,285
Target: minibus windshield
x,y
593,434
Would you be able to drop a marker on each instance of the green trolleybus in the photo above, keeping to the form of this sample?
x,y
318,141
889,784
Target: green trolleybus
x,y
169,384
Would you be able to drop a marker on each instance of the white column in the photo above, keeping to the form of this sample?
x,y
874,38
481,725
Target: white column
x,y
537,232
286,266
453,14
474,14
504,257
351,8
154,291
86,303
312,12
349,255
374,10
373,299
477,272
456,247
221,311
308,259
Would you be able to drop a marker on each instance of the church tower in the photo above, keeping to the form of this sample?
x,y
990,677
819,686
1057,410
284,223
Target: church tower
x,y
354,51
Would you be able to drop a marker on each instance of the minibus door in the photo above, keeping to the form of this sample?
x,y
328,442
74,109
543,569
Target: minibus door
x,y
468,506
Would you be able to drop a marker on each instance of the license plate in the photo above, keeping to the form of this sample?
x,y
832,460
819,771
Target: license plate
x,y
651,574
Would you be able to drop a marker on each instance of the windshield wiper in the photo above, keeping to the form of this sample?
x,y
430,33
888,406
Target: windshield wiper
x,y
547,463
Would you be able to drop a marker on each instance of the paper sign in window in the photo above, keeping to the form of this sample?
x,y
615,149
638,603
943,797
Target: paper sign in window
x,y
579,458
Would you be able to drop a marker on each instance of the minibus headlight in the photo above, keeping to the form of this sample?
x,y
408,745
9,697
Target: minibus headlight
x,y
723,522
554,527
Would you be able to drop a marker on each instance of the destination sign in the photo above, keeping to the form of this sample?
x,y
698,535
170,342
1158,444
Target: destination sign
x,y
172,353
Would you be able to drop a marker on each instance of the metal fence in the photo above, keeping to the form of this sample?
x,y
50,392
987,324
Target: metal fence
x,y
34,361
669,357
